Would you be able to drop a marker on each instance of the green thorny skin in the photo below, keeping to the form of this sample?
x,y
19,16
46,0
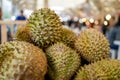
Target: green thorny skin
x,y
92,45
45,27
106,69
62,62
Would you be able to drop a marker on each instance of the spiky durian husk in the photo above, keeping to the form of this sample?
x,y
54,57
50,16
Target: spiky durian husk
x,y
45,27
92,45
23,34
22,61
106,69
68,37
62,62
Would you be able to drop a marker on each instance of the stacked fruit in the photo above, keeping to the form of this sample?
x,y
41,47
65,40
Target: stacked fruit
x,y
44,50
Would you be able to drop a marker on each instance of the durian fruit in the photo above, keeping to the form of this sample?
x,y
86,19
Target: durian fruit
x,y
23,34
62,62
106,69
92,45
68,37
22,61
45,27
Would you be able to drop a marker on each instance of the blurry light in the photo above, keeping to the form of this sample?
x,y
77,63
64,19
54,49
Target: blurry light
x,y
108,17
87,23
13,18
61,19
27,12
80,21
83,19
75,18
96,22
91,20
64,18
105,23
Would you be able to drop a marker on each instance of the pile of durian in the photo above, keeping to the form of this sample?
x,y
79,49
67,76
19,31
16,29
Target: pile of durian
x,y
45,50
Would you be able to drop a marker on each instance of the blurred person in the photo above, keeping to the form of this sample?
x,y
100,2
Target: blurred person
x,y
113,35
20,17
71,22
89,24
82,26
0,25
65,24
117,26
0,14
76,28
104,28
105,25
112,32
97,25
9,35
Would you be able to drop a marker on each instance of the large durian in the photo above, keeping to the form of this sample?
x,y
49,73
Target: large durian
x,y
92,45
62,62
45,27
22,61
23,34
68,37
106,69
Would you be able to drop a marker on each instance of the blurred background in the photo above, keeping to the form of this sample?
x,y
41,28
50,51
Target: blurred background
x,y
103,15
66,9
72,13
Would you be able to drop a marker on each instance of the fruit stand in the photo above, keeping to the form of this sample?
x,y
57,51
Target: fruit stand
x,y
44,48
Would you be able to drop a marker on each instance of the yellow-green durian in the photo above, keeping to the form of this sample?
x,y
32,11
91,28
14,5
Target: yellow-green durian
x,y
45,27
68,37
92,45
62,62
106,69
22,34
22,61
